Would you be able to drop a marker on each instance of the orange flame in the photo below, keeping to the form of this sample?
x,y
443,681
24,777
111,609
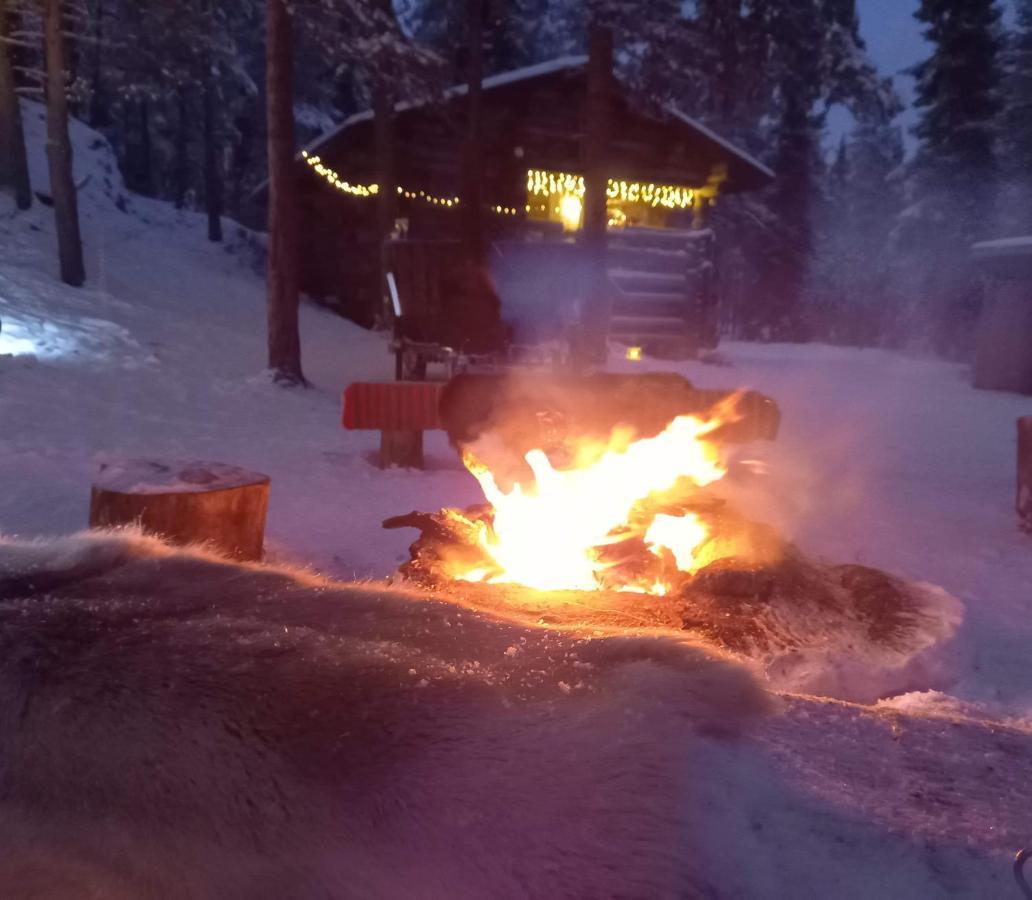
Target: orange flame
x,y
549,536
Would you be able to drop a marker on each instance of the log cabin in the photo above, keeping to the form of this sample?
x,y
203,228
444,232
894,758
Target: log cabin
x,y
665,171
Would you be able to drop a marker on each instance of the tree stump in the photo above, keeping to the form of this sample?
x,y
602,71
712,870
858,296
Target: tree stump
x,y
217,505
1025,472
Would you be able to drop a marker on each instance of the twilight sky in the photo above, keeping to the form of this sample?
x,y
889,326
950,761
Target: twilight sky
x,y
892,33
894,42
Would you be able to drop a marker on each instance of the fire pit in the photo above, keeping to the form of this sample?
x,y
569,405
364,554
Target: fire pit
x,y
631,532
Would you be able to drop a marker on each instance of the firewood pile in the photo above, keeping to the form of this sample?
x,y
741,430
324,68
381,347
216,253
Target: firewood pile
x,y
755,596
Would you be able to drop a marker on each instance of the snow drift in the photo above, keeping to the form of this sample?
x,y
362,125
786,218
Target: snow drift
x,y
175,725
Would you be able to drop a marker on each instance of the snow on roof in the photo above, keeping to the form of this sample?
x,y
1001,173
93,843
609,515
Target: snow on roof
x,y
458,90
536,71
723,142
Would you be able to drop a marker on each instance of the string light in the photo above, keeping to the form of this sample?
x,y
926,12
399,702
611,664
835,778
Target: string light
x,y
541,183
371,190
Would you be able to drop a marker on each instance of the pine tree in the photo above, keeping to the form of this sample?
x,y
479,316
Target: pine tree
x,y
1017,121
954,177
14,166
764,73
517,32
283,275
852,285
362,37
59,148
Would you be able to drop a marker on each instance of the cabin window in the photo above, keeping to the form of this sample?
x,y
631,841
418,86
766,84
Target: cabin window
x,y
559,197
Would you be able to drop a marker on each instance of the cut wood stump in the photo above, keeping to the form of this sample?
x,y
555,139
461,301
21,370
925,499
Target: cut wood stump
x,y
213,504
1025,472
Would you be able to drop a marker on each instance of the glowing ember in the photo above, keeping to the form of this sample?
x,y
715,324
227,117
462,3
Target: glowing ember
x,y
552,535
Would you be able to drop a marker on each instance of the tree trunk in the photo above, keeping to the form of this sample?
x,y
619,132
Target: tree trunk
x,y
59,151
14,166
282,278
212,175
182,163
472,174
146,169
597,302
386,197
212,504
100,115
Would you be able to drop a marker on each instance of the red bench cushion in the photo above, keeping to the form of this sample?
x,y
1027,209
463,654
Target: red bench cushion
x,y
392,406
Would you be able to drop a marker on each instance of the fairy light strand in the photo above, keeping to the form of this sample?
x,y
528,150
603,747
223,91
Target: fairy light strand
x,y
372,190
540,183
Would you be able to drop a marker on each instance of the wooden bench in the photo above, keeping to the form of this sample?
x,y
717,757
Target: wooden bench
x,y
401,411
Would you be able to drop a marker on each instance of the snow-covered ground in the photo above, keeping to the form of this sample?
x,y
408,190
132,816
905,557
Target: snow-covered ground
x,y
883,459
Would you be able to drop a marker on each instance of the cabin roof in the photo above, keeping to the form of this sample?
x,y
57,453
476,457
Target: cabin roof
x,y
745,172
562,63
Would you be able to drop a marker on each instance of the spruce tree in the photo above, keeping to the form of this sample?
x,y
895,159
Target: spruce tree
x,y
1018,121
852,285
955,173
14,166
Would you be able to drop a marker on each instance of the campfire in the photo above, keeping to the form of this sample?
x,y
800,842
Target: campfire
x,y
630,531
626,514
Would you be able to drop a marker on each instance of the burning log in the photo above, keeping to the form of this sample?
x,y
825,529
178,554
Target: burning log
x,y
560,413
185,502
803,622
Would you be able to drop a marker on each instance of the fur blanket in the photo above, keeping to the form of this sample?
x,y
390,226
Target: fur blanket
x,y
174,725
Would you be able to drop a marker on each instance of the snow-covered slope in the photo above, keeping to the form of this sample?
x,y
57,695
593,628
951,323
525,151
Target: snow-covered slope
x,y
162,353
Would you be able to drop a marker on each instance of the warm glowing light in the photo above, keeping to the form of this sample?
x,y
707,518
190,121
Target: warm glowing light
x,y
542,183
371,190
368,190
570,209
633,354
549,535
681,535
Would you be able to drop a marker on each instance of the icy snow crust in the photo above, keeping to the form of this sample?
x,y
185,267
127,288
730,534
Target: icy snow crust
x,y
140,476
884,460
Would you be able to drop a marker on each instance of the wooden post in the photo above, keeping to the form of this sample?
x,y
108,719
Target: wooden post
x,y
597,306
1024,498
472,156
401,448
186,503
386,195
